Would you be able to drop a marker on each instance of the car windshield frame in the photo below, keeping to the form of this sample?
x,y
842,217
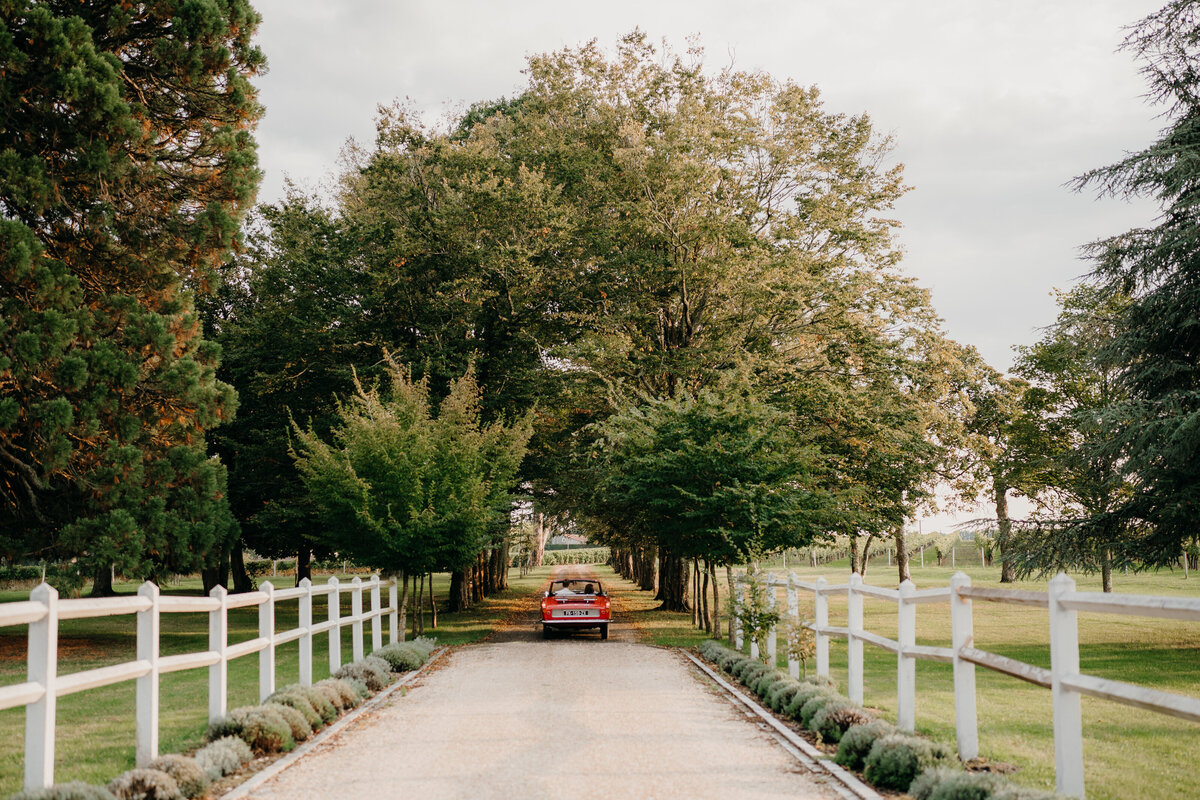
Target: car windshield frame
x,y
576,586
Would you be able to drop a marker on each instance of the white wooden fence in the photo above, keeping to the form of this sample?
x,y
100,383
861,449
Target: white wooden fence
x,y
1063,678
44,610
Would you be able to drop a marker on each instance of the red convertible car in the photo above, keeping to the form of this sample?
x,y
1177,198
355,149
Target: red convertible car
x,y
575,603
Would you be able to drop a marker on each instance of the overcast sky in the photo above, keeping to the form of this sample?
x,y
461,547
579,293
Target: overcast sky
x,y
994,106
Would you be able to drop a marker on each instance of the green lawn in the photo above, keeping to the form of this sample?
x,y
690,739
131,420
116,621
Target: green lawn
x,y
1127,752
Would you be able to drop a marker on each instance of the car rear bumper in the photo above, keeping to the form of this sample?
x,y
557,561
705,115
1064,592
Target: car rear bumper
x,y
579,622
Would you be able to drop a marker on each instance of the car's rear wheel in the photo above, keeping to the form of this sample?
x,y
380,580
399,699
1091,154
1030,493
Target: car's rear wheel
x,y
545,631
604,631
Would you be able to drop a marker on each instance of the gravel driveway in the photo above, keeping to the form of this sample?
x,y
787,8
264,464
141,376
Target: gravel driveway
x,y
566,718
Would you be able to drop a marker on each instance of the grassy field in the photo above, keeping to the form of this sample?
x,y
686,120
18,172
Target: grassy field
x,y
1128,753
95,734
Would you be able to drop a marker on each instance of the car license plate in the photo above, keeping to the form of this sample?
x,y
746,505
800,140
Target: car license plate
x,y
575,612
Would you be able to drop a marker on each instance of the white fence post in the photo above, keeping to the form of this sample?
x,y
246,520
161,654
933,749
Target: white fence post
x,y
1064,662
148,630
306,640
754,637
854,645
335,630
793,611
376,621
218,642
737,613
906,665
356,627
394,605
266,656
43,670
821,620
773,633
962,632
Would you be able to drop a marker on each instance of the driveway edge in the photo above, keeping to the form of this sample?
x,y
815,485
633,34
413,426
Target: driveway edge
x,y
812,758
276,767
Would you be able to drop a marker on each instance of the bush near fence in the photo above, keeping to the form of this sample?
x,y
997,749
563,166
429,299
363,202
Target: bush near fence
x,y
65,578
889,758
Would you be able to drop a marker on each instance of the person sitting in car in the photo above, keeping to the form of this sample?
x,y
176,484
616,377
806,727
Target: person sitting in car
x,y
565,590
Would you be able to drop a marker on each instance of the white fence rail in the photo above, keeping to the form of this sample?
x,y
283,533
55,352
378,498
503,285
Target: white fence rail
x,y
1063,678
44,685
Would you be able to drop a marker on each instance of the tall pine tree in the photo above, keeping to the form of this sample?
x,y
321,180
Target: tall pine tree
x,y
1156,432
126,159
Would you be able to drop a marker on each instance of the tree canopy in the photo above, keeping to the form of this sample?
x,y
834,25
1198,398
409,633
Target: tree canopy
x,y
400,488
1154,429
126,161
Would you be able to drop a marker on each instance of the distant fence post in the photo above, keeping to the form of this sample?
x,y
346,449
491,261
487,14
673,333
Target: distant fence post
x,y
356,627
753,583
854,644
821,620
394,613
335,628
306,639
148,629
773,633
43,670
218,642
906,665
266,656
1064,662
793,613
376,621
962,633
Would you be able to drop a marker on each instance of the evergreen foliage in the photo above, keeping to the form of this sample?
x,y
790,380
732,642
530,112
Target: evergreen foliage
x,y
75,790
857,741
126,160
401,489
192,780
223,756
1154,431
145,784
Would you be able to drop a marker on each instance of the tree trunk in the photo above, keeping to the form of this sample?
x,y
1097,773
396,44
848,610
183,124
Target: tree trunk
x,y
403,610
902,554
729,586
866,554
418,607
237,561
1106,569
1003,534
102,582
706,613
216,574
478,572
458,600
715,608
672,583
303,565
504,556
854,553
648,560
432,605
539,551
